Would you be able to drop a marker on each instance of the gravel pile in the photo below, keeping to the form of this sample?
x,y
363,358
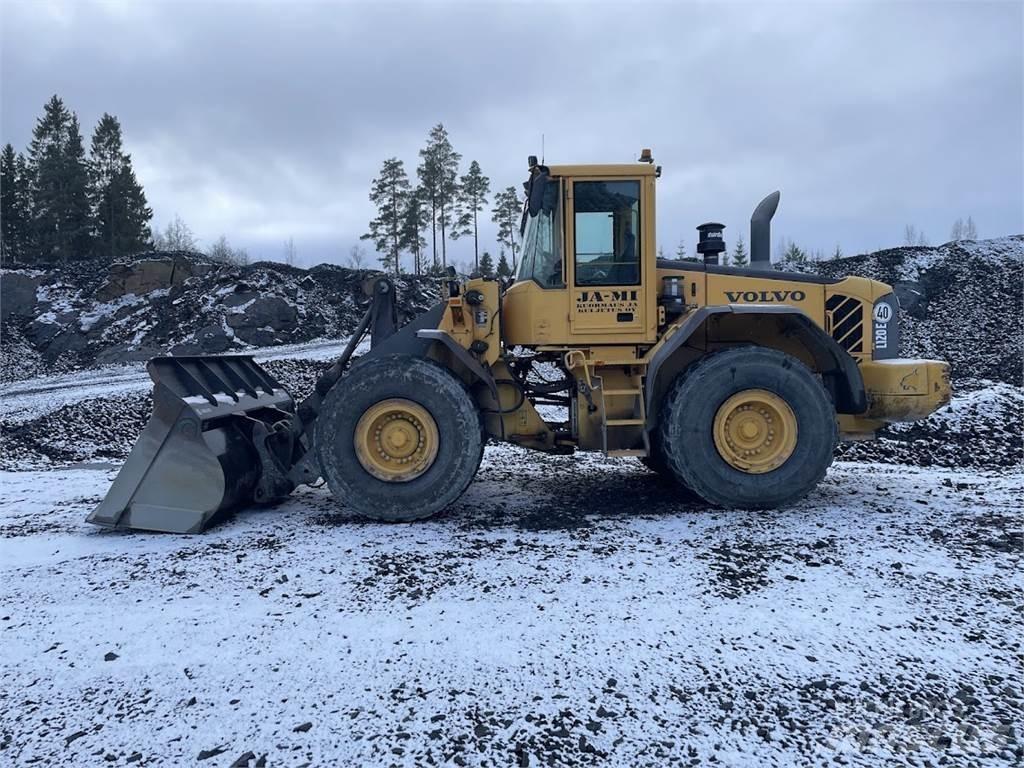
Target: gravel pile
x,y
105,429
981,428
962,302
93,430
18,358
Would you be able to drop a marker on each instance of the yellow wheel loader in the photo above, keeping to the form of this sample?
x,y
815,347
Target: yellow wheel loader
x,y
735,382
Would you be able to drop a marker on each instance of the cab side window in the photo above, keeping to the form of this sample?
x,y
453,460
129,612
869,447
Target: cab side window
x,y
542,242
607,227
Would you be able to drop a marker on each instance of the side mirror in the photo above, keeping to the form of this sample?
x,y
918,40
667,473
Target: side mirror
x,y
538,184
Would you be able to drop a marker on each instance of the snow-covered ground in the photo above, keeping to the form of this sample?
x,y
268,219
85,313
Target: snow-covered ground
x,y
567,611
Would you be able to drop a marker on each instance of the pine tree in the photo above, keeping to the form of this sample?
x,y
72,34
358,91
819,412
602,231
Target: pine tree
x,y
118,203
430,182
957,233
390,193
681,250
414,221
838,252
77,215
504,270
910,235
506,213
739,253
473,189
60,216
486,265
448,187
438,173
970,230
9,225
795,256
15,212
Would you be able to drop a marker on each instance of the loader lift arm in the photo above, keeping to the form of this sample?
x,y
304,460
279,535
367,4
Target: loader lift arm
x,y
382,321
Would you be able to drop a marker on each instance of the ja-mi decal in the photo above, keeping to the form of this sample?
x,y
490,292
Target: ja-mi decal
x,y
607,300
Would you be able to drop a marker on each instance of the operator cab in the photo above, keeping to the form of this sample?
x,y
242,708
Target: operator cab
x,y
587,269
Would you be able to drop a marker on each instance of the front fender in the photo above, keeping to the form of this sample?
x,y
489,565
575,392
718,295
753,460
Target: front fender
x,y
839,369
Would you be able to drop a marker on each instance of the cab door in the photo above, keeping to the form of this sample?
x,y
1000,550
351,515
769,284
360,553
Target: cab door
x,y
607,240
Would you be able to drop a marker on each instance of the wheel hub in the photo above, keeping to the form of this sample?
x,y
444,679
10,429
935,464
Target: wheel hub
x,y
396,440
755,431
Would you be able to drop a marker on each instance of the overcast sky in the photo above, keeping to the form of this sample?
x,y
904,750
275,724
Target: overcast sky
x,y
268,121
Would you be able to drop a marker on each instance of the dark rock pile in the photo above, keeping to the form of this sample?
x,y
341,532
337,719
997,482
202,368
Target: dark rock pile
x,y
87,314
962,302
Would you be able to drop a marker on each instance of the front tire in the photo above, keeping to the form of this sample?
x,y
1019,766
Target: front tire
x,y
748,427
399,438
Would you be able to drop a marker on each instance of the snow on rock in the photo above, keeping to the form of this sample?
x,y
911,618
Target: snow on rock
x,y
541,621
85,313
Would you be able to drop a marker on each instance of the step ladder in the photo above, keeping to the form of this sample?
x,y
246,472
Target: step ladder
x,y
635,393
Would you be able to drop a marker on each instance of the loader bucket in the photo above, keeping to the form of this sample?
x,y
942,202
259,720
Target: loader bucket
x,y
198,457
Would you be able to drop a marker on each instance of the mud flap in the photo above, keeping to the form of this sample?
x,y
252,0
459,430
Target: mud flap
x,y
220,437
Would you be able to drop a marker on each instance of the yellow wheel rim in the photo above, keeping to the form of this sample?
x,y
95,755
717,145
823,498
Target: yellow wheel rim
x,y
396,440
755,431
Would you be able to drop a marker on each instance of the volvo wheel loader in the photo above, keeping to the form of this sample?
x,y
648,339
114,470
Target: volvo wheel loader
x,y
736,383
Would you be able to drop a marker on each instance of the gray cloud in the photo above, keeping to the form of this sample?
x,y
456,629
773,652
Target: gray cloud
x,y
264,121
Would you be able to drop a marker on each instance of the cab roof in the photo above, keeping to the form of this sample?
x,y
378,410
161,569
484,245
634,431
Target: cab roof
x,y
608,169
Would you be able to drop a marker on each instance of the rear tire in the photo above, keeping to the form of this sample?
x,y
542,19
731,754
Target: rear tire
x,y
439,403
656,463
713,396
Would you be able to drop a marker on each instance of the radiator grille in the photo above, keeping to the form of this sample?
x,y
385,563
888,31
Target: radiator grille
x,y
846,320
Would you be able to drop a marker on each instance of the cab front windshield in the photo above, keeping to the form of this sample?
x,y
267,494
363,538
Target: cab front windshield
x,y
542,242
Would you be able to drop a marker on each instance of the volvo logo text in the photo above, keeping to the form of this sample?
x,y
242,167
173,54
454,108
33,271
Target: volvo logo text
x,y
765,297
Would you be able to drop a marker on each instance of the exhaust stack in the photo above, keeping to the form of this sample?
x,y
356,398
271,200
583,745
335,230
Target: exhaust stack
x,y
761,232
